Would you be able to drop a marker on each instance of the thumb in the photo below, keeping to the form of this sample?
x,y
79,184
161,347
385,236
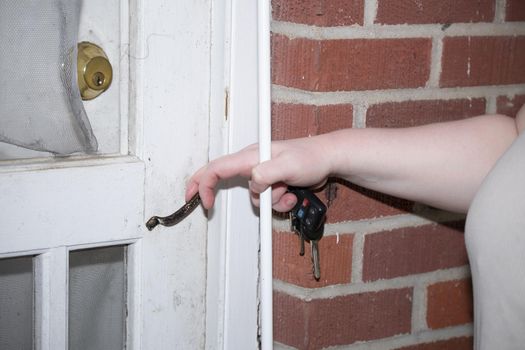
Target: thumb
x,y
270,172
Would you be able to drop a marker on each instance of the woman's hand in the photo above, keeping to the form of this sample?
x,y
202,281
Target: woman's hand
x,y
301,162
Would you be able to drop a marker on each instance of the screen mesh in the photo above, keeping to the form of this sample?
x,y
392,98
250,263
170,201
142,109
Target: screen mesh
x,y
16,303
40,105
97,299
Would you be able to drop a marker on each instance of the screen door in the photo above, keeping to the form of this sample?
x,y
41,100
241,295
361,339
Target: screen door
x,y
72,192
81,267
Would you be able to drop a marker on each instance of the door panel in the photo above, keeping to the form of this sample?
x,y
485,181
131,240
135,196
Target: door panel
x,y
70,203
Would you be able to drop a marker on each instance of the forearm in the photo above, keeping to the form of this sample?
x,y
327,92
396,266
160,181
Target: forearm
x,y
442,164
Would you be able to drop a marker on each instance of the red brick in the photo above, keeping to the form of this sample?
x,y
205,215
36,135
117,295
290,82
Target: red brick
x,y
348,202
449,304
432,11
335,260
291,320
334,117
475,61
510,106
319,12
515,10
298,120
351,64
412,250
341,320
413,113
290,121
463,343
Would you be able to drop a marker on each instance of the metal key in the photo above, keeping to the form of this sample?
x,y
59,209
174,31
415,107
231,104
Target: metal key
x,y
295,227
315,259
307,220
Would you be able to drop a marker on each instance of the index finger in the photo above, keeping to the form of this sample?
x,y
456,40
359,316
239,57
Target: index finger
x,y
206,178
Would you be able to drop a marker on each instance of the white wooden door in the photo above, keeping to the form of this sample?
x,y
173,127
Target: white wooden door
x,y
191,286
77,221
59,215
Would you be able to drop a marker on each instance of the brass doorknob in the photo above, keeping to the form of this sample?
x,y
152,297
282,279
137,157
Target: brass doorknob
x,y
93,70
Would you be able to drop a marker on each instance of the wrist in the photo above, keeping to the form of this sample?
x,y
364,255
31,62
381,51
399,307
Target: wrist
x,y
335,147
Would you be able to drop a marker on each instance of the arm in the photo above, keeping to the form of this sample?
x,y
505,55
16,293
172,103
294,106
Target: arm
x,y
440,164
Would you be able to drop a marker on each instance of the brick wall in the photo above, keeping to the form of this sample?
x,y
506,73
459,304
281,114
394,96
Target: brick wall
x,y
394,274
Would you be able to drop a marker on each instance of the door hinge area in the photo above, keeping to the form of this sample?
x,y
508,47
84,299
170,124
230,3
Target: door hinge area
x,y
226,103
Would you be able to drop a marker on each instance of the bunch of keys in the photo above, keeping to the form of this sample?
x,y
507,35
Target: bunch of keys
x,y
307,220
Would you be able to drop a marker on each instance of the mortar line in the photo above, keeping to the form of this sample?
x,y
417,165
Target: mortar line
x,y
400,31
491,105
359,120
282,94
419,307
435,63
500,11
281,346
370,12
328,292
358,250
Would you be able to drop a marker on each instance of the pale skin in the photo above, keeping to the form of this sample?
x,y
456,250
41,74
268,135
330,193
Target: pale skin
x,y
441,164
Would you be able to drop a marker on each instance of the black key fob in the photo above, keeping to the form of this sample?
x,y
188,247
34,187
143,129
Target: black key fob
x,y
308,215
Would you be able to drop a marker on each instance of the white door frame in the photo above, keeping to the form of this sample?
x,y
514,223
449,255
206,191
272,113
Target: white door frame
x,y
233,230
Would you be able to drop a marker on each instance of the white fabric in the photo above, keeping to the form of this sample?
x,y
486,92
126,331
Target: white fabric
x,y
495,237
40,105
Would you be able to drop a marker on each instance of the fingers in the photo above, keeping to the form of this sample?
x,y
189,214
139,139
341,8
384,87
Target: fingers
x,y
276,170
290,164
282,201
285,203
319,185
277,192
191,188
206,179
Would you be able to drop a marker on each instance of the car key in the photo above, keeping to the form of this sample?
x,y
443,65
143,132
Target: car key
x,y
315,259
307,220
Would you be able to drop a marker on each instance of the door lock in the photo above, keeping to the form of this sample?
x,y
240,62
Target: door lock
x,y
93,70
